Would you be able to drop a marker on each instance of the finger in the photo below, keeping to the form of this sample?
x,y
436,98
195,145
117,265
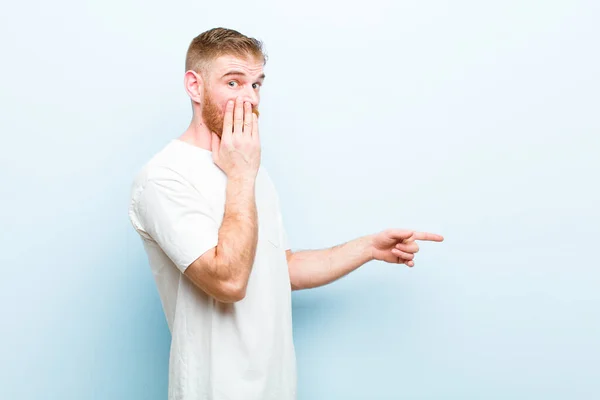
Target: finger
x,y
238,116
432,237
255,134
228,120
247,118
410,247
402,254
408,263
400,234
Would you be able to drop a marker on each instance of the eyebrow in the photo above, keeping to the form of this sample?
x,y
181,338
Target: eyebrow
x,y
240,73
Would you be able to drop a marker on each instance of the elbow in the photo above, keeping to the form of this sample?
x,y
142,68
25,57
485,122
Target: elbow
x,y
216,280
232,291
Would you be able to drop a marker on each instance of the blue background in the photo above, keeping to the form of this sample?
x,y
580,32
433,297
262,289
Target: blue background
x,y
475,120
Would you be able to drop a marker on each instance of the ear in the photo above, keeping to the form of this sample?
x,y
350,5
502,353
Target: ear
x,y
194,85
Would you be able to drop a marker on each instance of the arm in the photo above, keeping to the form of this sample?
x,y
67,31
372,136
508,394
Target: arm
x,y
313,268
224,270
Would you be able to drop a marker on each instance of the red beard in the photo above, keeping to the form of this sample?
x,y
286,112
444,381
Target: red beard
x,y
213,115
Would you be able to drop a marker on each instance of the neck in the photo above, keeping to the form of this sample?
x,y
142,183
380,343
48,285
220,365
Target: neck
x,y
197,134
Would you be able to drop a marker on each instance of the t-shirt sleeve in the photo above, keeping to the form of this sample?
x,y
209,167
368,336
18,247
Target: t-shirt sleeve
x,y
178,218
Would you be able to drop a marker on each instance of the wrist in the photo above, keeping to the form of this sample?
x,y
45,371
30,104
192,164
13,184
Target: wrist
x,y
246,179
367,244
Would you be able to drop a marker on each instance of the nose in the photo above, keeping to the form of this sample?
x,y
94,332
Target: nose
x,y
251,96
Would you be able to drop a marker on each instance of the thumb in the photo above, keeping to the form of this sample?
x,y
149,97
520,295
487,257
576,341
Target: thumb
x,y
400,234
410,239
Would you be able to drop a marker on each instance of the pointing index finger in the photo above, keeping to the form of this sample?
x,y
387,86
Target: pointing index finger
x,y
432,237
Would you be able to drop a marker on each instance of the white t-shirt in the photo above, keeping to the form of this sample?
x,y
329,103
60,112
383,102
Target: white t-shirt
x,y
219,351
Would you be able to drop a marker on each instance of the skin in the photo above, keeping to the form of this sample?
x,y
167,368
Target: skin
x,y
225,100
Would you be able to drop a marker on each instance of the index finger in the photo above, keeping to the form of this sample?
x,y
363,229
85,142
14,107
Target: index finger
x,y
432,237
228,119
238,116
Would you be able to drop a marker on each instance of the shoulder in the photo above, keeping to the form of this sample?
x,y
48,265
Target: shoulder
x,y
161,167
177,164
167,172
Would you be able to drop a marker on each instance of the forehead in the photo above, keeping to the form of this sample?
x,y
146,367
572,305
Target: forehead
x,y
250,66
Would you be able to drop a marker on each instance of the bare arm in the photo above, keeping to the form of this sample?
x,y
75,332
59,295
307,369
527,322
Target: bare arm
x,y
313,268
223,271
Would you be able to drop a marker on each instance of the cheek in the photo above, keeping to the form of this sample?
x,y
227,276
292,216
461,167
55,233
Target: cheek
x,y
221,102
218,99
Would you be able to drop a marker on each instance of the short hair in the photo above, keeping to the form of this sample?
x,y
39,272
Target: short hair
x,y
217,42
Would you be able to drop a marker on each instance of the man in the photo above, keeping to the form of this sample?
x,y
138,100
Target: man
x,y
210,221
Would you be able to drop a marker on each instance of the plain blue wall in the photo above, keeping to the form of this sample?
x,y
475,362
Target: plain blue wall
x,y
476,120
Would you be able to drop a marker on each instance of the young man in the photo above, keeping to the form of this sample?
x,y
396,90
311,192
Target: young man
x,y
209,218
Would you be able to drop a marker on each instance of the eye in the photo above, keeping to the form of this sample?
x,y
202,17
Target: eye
x,y
256,85
232,84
